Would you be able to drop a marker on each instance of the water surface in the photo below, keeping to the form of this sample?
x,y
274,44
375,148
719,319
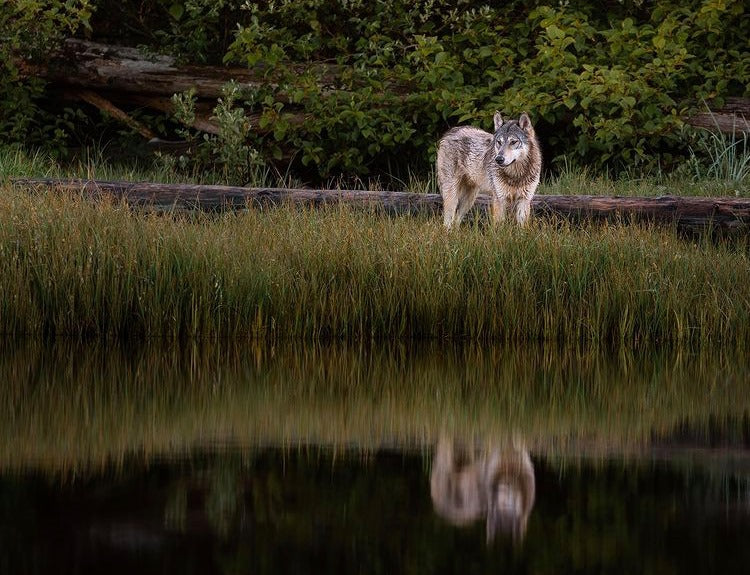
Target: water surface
x,y
211,457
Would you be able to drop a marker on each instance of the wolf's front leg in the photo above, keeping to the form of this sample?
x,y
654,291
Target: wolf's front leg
x,y
498,207
523,209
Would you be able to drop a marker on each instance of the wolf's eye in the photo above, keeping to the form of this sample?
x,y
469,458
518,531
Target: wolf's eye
x,y
514,143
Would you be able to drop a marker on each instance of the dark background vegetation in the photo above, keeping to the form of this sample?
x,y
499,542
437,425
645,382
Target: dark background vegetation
x,y
608,84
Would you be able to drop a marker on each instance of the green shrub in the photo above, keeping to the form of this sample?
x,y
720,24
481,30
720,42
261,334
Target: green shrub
x,y
227,152
193,28
607,86
358,87
30,31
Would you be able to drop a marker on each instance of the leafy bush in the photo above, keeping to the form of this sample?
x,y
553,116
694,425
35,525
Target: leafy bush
x,y
360,87
30,30
193,28
228,150
607,85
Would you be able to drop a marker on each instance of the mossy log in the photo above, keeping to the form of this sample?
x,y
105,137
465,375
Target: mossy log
x,y
724,214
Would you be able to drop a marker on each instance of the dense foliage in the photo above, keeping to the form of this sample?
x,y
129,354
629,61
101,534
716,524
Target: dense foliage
x,y
359,86
28,31
607,85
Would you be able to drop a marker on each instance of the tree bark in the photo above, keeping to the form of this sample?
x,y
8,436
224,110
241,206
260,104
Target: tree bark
x,y
108,107
697,214
126,70
732,117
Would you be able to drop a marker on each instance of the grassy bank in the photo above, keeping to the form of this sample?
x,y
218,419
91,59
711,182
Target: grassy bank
x,y
69,267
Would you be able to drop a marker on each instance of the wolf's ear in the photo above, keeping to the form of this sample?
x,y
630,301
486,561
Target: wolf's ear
x,y
498,121
525,122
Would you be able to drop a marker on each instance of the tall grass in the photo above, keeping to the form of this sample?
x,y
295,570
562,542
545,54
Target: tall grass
x,y
91,163
701,176
71,267
721,156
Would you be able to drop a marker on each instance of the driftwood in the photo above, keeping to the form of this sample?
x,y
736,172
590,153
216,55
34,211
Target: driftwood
x,y
733,116
105,105
695,214
127,76
91,65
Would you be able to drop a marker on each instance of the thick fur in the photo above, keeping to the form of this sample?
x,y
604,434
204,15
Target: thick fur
x,y
506,165
495,483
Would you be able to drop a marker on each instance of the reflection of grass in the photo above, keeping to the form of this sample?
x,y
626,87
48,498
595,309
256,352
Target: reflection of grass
x,y
70,267
74,406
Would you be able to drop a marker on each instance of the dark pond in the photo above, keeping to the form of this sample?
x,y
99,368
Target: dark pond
x,y
249,458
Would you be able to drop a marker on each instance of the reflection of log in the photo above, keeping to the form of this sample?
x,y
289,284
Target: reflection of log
x,y
132,76
690,213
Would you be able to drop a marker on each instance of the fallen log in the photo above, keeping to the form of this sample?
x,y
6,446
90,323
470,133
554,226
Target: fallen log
x,y
108,107
695,214
109,77
732,117
83,64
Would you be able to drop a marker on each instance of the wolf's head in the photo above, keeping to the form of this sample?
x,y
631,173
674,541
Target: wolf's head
x,y
511,139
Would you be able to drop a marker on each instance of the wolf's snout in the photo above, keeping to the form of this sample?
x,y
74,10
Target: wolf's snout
x,y
500,160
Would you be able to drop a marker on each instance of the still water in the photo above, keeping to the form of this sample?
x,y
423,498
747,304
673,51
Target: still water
x,y
210,457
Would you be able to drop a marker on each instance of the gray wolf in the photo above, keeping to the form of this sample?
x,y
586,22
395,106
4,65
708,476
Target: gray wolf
x,y
497,483
506,165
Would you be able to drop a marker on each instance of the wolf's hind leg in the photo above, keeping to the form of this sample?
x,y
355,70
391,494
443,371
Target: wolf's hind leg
x,y
449,192
466,200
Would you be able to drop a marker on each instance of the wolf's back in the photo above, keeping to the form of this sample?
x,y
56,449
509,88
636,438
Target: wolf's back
x,y
464,146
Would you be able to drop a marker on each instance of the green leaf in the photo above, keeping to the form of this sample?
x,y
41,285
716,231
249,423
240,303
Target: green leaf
x,y
176,10
554,32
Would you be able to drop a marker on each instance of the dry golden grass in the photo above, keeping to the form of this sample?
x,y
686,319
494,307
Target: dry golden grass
x,y
70,267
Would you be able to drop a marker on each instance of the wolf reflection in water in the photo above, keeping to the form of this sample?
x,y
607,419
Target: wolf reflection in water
x,y
495,482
